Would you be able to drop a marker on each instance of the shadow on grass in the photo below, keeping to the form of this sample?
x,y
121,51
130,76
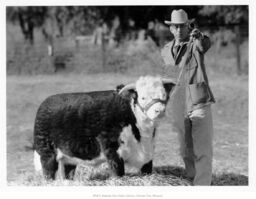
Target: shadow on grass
x,y
224,179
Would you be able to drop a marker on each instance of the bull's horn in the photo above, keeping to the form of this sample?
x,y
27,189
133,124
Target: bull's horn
x,y
127,87
168,80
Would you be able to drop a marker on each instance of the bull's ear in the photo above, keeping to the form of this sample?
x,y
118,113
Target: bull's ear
x,y
130,87
169,87
133,94
169,84
129,93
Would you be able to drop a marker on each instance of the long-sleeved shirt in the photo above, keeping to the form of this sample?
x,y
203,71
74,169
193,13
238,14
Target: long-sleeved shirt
x,y
191,63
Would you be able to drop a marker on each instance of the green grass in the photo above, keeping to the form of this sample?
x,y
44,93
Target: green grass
x,y
230,114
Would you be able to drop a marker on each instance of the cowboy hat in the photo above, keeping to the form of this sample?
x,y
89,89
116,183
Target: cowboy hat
x,y
178,17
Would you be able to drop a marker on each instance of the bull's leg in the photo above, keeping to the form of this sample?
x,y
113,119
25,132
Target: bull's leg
x,y
61,169
116,162
147,168
70,171
49,165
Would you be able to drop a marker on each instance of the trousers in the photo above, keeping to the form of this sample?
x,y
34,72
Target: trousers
x,y
195,132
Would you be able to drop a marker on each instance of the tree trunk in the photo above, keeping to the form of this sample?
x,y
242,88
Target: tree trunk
x,y
26,25
238,53
103,48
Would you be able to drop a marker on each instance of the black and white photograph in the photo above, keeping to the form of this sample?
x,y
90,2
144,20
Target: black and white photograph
x,y
127,95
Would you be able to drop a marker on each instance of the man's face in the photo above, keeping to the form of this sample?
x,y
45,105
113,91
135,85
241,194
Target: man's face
x,y
180,31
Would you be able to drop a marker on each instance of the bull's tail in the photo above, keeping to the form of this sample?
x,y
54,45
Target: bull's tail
x,y
37,162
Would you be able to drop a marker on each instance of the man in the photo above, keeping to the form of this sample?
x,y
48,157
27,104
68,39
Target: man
x,y
193,96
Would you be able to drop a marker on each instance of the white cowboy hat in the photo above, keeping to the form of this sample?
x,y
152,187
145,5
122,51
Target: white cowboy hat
x,y
178,17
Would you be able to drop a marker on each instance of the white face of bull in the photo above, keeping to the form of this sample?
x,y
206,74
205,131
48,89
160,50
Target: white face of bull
x,y
151,96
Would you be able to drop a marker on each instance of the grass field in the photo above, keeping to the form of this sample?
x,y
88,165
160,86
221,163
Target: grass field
x,y
230,114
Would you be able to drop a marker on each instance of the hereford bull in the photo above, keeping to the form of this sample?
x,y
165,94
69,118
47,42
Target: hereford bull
x,y
102,126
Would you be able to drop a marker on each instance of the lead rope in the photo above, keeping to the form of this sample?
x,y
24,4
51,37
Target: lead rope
x,y
144,110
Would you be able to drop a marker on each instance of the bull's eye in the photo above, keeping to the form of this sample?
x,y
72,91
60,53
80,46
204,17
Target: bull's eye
x,y
143,98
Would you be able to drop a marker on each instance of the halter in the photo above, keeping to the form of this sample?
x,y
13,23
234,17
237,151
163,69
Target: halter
x,y
147,107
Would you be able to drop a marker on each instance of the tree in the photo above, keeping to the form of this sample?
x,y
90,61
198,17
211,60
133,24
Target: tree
x,y
28,18
226,15
229,15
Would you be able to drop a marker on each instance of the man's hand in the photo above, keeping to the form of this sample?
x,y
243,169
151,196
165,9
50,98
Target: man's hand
x,y
201,42
196,34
